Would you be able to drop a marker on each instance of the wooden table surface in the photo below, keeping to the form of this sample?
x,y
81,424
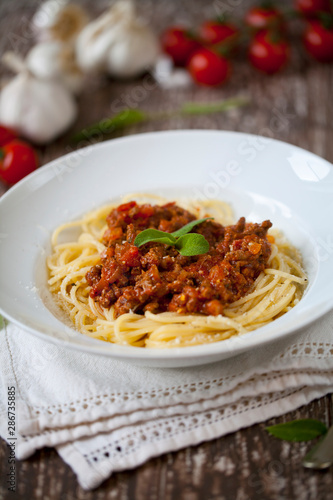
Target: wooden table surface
x,y
294,106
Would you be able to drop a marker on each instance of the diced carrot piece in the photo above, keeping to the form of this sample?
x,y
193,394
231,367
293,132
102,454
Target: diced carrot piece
x,y
113,234
254,248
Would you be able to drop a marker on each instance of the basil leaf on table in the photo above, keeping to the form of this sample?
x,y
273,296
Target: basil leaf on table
x,y
298,430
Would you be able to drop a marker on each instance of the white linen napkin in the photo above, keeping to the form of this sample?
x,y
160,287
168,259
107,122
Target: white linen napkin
x,y
104,415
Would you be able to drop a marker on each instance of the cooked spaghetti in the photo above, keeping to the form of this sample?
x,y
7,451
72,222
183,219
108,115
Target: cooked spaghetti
x,y
153,296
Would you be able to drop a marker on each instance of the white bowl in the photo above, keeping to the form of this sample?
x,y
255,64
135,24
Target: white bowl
x,y
261,178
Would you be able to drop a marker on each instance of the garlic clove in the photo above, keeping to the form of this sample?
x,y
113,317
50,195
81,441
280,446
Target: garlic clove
x,y
55,111
47,14
117,43
56,60
11,108
134,54
59,20
40,110
93,43
71,74
168,76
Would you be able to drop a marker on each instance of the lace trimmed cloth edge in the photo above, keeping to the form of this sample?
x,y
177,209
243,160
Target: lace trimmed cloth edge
x,y
96,466
107,405
27,444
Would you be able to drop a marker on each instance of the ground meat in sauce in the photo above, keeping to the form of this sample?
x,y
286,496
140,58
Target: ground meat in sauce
x,y
156,278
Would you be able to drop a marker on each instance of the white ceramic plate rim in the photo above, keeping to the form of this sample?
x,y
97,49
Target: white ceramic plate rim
x,y
201,353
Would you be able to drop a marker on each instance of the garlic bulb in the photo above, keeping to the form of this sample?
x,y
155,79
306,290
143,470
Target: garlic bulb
x,y
58,20
56,60
39,110
117,43
168,76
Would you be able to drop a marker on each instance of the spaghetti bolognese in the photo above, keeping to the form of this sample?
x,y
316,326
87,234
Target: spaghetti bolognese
x,y
151,295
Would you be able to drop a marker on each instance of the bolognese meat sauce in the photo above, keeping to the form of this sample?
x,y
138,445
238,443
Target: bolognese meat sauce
x,y
156,278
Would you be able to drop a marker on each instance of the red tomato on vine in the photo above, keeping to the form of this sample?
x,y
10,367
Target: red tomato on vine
x,y
259,18
207,67
215,32
6,135
17,159
318,41
268,52
310,8
179,43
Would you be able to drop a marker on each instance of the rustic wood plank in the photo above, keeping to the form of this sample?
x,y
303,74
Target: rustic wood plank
x,y
246,464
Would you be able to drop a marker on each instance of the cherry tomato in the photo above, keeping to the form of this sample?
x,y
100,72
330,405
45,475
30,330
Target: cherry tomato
x,y
6,135
260,18
213,32
310,8
17,159
318,41
208,68
179,44
267,54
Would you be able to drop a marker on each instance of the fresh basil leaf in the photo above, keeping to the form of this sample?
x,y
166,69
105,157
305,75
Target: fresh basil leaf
x,y
153,235
186,229
186,244
192,244
298,430
2,322
165,240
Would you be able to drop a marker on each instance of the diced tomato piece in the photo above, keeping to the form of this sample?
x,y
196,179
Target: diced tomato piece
x,y
131,257
107,253
237,244
126,206
144,212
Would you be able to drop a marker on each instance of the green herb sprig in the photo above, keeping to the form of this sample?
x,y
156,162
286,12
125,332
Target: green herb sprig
x,y
186,244
129,117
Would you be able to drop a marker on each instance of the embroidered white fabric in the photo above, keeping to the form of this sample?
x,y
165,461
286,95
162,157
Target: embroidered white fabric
x,y
104,415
